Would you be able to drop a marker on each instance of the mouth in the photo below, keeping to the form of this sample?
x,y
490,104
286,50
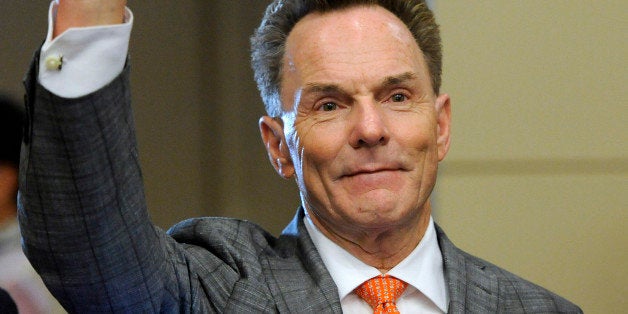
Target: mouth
x,y
368,171
361,181
373,170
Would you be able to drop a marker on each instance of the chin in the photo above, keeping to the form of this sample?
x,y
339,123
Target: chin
x,y
383,203
383,215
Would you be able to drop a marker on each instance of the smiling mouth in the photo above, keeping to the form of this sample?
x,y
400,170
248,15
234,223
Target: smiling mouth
x,y
360,182
374,172
367,172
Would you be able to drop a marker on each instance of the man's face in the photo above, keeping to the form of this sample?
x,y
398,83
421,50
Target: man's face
x,y
362,130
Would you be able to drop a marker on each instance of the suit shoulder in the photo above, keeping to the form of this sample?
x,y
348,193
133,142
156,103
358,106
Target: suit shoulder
x,y
477,284
220,231
516,294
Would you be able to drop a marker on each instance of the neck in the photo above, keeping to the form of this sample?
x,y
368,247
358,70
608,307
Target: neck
x,y
384,247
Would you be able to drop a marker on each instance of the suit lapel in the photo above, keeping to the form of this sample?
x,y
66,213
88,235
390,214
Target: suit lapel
x,y
300,283
471,288
298,276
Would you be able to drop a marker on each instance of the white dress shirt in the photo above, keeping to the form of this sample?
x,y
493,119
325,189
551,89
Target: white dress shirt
x,y
90,57
422,270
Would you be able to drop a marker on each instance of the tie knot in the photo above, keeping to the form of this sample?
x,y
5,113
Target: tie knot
x,y
381,292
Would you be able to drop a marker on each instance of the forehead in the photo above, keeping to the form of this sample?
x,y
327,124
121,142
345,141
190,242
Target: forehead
x,y
356,18
360,41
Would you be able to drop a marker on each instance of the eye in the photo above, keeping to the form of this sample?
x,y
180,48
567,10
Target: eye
x,y
329,106
398,98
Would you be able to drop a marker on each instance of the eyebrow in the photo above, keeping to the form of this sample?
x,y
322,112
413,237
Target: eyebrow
x,y
322,88
336,89
398,79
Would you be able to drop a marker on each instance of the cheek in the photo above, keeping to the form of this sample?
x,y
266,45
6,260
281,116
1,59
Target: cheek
x,y
314,158
417,134
319,149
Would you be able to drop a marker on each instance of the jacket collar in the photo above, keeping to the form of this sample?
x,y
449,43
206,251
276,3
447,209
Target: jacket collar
x,y
314,293
472,288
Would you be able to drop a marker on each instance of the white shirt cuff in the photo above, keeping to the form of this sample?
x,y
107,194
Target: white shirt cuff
x,y
83,60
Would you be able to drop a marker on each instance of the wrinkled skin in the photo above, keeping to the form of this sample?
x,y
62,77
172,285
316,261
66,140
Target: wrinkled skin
x,y
362,131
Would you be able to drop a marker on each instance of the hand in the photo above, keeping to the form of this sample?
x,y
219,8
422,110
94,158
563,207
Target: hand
x,y
82,13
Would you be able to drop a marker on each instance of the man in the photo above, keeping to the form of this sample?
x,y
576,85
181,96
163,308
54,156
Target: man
x,y
7,305
11,119
354,116
25,290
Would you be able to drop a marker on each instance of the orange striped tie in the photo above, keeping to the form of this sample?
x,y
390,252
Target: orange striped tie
x,y
381,292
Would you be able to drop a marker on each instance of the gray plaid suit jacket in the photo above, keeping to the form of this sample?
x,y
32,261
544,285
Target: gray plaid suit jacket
x,y
86,230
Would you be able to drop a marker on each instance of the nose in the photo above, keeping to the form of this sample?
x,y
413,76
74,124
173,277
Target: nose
x,y
369,126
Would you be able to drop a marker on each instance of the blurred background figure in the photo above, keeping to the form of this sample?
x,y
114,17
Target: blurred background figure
x,y
17,277
7,305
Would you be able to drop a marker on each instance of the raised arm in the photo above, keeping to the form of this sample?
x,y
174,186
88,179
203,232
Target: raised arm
x,y
82,212
83,13
82,209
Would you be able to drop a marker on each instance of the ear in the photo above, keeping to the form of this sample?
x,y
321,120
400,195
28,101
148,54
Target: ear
x,y
274,140
443,118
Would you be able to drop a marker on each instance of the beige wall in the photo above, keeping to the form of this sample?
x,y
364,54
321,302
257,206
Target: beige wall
x,y
536,177
197,110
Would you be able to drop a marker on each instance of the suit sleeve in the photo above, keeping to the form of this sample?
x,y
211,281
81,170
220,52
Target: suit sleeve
x,y
82,208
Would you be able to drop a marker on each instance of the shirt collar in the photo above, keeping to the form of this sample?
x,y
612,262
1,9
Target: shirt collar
x,y
422,269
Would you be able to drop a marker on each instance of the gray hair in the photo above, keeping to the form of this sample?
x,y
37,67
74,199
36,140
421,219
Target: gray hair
x,y
268,41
